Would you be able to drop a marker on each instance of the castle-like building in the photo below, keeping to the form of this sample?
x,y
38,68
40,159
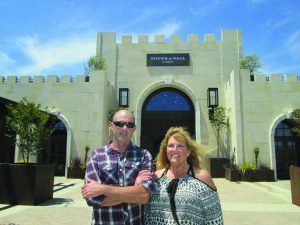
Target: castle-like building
x,y
168,83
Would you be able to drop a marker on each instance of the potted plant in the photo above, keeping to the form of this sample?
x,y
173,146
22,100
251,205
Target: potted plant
x,y
295,169
232,172
76,169
77,166
247,172
95,63
218,119
264,173
295,184
27,183
250,62
255,172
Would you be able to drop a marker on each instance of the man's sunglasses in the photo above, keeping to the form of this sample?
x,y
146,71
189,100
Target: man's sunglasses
x,y
121,124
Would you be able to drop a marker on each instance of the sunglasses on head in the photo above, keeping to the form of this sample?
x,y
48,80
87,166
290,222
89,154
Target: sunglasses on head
x,y
121,124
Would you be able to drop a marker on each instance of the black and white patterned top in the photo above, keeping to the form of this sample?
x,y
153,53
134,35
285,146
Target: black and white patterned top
x,y
196,203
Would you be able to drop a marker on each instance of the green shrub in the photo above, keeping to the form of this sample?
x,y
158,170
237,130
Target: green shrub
x,y
247,166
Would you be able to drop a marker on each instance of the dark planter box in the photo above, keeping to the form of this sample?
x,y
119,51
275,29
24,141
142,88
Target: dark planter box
x,y
264,175
26,184
295,184
232,174
249,176
258,175
76,173
217,167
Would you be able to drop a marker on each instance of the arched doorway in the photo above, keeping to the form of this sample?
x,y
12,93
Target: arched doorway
x,y
7,152
55,148
287,149
163,109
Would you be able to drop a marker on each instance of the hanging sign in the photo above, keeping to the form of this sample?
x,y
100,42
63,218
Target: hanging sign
x,y
179,59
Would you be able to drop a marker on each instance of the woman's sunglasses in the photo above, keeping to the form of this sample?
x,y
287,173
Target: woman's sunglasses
x,y
121,124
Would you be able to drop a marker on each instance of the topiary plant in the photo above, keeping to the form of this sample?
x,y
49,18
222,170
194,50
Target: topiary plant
x,y
29,123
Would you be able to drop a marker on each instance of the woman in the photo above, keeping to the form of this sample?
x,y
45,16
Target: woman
x,y
182,193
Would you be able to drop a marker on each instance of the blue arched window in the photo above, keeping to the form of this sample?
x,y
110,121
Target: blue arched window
x,y
59,125
168,100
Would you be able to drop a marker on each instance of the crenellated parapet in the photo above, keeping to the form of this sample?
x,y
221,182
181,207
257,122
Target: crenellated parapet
x,y
273,78
277,78
191,38
226,36
44,79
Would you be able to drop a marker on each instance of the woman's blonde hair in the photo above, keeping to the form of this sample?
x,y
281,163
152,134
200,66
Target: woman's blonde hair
x,y
180,134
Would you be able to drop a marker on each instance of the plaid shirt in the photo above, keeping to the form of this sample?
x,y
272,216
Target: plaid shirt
x,y
108,166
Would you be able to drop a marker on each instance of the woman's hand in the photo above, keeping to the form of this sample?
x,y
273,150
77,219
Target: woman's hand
x,y
92,189
143,176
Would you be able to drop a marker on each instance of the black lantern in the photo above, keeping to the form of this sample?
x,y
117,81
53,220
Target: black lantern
x,y
212,101
123,97
212,97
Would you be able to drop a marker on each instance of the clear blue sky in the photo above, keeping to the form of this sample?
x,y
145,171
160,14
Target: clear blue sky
x,y
56,37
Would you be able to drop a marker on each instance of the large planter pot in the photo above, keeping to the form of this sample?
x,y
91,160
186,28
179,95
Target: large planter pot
x,y
217,167
76,173
232,174
248,175
295,184
258,175
26,184
264,175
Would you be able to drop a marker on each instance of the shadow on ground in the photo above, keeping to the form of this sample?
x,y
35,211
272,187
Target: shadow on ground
x,y
57,201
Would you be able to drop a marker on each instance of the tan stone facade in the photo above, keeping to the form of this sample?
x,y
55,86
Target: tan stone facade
x,y
256,107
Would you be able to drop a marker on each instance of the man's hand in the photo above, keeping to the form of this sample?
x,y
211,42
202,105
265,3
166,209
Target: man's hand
x,y
143,175
136,194
91,189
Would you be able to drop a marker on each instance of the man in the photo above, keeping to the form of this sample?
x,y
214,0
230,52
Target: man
x,y
111,173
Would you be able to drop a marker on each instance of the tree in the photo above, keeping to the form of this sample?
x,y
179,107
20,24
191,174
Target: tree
x,y
29,123
250,62
95,63
219,119
295,117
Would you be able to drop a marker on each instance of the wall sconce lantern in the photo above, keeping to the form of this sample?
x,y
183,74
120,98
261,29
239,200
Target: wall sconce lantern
x,y
212,100
212,97
123,97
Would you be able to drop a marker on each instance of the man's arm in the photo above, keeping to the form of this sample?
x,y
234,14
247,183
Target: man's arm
x,y
91,173
130,194
109,202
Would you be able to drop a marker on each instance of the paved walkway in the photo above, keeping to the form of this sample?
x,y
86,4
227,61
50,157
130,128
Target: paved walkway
x,y
242,203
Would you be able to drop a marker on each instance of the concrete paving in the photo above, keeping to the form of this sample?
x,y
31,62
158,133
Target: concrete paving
x,y
242,203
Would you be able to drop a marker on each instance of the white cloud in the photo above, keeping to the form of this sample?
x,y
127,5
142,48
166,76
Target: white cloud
x,y
205,8
5,61
293,43
167,29
55,52
277,23
279,69
258,1
285,19
151,13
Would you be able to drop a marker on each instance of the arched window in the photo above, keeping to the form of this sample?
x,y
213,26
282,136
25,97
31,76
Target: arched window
x,y
165,108
285,148
168,100
59,125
